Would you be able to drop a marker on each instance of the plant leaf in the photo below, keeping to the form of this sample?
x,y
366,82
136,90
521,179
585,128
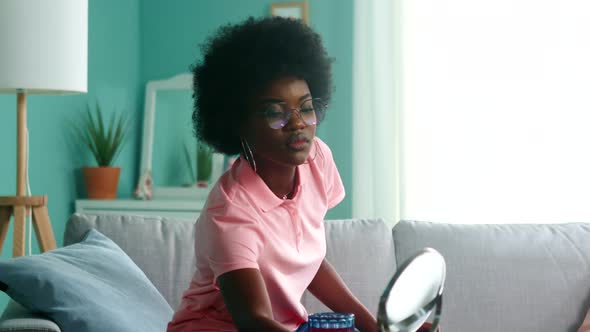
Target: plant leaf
x,y
103,141
189,163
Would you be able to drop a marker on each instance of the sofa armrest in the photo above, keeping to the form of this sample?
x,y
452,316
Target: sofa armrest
x,y
16,318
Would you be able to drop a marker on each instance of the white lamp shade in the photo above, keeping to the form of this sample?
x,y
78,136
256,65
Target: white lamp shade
x,y
43,46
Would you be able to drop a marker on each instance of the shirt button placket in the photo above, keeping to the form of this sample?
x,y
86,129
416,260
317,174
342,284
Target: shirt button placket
x,y
296,221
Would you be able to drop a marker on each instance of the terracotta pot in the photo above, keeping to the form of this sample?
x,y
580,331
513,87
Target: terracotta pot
x,y
101,182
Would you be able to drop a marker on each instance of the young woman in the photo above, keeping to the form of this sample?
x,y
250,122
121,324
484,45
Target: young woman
x,y
260,91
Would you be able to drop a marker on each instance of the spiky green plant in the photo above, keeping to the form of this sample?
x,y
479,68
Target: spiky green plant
x,y
189,164
204,162
105,143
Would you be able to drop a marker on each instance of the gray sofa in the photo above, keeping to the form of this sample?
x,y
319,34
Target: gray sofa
x,y
499,277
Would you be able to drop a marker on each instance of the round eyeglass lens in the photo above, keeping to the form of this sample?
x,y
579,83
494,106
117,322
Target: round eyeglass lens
x,y
310,111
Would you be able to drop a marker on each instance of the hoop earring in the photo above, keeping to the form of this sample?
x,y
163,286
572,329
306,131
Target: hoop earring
x,y
247,152
316,152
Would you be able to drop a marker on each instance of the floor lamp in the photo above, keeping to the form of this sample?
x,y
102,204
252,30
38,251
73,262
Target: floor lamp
x,y
44,50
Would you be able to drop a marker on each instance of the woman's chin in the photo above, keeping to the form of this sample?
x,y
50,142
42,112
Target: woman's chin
x,y
295,158
298,157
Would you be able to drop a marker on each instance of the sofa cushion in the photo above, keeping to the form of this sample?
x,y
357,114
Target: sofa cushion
x,y
507,277
163,248
362,252
88,286
18,318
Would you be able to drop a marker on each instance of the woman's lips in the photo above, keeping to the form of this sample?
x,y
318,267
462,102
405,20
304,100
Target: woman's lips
x,y
298,142
298,145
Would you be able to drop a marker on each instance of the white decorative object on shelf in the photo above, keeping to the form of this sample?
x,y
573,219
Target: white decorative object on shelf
x,y
144,187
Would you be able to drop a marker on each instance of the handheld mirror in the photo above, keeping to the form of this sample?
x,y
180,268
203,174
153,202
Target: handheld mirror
x,y
414,292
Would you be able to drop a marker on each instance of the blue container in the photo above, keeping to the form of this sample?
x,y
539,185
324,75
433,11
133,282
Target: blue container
x,y
331,320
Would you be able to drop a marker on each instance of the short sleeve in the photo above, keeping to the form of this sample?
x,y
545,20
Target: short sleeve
x,y
332,181
231,242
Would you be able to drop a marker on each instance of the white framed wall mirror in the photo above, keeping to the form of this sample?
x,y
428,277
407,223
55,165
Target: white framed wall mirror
x,y
175,163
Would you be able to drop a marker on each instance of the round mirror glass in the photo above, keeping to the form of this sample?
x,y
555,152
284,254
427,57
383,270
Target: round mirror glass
x,y
414,292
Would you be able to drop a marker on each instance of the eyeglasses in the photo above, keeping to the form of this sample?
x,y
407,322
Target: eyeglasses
x,y
311,111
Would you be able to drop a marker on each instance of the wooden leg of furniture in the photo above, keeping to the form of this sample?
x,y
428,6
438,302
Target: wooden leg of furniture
x,y
18,207
5,213
18,245
43,228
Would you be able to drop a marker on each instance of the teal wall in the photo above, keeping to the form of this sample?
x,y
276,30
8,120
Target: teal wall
x,y
131,42
173,30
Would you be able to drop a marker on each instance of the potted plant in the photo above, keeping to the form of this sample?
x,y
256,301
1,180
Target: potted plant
x,y
105,143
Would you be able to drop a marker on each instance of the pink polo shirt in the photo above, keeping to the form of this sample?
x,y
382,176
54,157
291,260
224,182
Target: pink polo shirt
x,y
244,225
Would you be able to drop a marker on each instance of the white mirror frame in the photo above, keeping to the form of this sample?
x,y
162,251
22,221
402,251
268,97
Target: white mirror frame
x,y
182,81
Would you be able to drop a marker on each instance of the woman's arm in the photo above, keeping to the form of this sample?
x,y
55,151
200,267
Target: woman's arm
x,y
329,288
245,296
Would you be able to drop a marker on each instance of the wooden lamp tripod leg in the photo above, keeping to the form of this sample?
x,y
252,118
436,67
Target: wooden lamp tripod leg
x,y
5,213
18,244
43,228
17,206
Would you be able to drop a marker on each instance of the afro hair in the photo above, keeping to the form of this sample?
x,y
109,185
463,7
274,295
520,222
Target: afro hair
x,y
241,59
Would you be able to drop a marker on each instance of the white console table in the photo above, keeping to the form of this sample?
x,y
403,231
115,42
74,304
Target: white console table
x,y
187,209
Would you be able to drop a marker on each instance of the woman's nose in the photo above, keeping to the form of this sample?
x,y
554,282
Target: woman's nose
x,y
295,120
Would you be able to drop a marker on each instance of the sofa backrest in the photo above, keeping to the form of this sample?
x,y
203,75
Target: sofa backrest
x,y
362,252
507,277
162,247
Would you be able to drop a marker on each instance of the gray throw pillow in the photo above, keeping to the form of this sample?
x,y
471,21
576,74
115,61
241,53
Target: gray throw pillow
x,y
89,286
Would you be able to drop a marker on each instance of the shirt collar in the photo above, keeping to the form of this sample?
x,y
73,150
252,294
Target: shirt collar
x,y
256,187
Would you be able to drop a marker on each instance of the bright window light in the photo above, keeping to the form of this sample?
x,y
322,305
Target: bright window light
x,y
496,111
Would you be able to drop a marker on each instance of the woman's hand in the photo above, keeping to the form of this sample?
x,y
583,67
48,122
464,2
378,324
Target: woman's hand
x,y
246,298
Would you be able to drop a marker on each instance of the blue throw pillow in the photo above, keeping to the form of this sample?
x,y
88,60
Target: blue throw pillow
x,y
88,286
